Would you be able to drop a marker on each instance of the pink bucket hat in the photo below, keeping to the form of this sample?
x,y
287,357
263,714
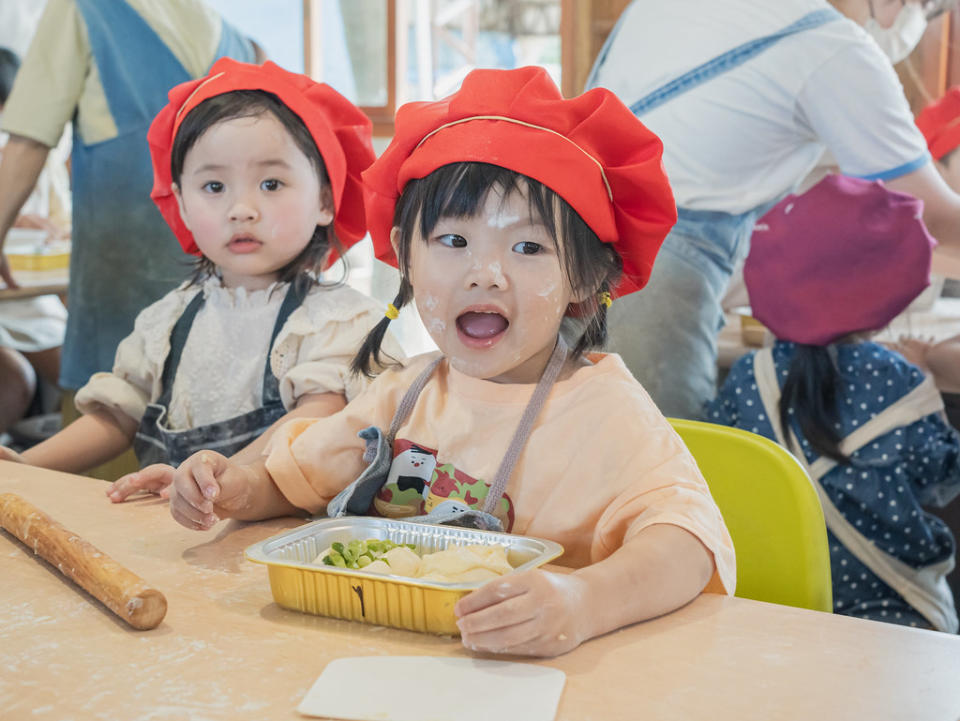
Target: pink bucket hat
x,y
846,256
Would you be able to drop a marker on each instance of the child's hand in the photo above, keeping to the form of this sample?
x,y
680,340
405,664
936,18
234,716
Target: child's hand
x,y
535,613
8,454
913,349
206,487
155,479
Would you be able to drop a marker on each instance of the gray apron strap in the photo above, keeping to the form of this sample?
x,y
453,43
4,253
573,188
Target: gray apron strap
x,y
547,379
926,588
409,399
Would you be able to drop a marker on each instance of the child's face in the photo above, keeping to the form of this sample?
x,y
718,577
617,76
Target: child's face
x,y
251,198
491,290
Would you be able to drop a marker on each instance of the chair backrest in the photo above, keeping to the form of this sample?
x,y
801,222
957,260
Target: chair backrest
x,y
772,511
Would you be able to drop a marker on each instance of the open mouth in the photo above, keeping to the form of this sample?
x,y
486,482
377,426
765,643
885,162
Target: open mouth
x,y
481,328
243,244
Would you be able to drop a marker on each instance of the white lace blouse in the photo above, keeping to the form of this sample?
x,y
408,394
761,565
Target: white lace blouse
x,y
221,368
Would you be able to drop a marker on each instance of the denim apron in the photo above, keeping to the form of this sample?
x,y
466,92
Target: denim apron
x,y
667,333
924,588
124,255
155,442
357,498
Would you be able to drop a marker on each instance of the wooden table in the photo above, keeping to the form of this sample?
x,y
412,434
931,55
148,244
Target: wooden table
x,y
226,651
939,322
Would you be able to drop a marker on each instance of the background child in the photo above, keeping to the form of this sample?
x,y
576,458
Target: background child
x,y
517,210
257,171
829,267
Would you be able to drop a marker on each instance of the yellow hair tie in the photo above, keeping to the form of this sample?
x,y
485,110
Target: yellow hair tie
x,y
392,311
605,299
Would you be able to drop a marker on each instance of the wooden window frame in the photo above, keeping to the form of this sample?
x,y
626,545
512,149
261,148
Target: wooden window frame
x,y
581,36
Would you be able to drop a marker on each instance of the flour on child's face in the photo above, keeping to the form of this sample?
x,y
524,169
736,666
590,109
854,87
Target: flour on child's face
x,y
491,290
251,198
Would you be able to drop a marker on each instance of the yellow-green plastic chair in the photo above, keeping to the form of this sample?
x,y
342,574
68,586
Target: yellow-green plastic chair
x,y
772,511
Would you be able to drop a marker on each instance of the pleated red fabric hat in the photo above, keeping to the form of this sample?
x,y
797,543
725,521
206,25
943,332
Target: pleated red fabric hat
x,y
940,123
340,130
846,256
591,150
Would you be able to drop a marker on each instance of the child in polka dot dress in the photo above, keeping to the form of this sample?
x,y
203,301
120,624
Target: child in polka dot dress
x,y
825,270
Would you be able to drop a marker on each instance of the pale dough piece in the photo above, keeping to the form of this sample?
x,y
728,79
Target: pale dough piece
x,y
403,561
377,566
457,560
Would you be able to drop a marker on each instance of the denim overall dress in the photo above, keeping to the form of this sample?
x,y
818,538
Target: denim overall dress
x,y
155,442
357,498
924,588
124,255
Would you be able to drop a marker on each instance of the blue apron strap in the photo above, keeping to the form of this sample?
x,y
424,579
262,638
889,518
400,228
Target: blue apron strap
x,y
292,301
136,68
728,61
233,45
178,338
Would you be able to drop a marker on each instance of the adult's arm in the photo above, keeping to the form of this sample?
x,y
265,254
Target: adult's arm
x,y
20,167
941,214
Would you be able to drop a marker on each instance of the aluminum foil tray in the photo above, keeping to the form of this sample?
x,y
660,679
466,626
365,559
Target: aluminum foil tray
x,y
398,601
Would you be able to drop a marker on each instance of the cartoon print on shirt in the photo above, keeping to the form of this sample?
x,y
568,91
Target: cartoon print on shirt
x,y
418,484
412,468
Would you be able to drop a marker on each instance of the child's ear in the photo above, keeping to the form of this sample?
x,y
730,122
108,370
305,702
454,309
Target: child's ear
x,y
584,294
175,189
395,240
326,214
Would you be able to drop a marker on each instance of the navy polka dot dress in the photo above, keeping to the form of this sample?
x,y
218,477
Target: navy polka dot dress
x,y
882,489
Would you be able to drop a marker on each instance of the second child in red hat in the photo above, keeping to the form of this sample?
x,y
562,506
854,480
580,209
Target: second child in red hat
x,y
513,215
257,172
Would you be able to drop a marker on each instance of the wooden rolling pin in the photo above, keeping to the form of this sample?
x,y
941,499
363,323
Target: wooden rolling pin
x,y
120,590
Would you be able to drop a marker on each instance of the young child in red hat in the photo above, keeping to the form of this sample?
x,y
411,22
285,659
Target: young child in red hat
x,y
257,171
514,216
825,270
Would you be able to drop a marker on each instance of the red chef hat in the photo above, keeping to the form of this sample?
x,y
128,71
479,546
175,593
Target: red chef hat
x,y
940,123
339,129
590,150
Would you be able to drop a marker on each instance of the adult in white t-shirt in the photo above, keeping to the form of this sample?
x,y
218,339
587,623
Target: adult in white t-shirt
x,y
746,96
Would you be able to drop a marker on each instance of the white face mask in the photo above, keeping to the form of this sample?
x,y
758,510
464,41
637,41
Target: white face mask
x,y
899,40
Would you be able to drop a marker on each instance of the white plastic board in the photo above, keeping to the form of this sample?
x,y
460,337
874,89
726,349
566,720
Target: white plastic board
x,y
429,688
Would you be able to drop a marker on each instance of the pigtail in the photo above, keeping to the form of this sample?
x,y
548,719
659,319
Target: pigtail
x,y
811,390
370,348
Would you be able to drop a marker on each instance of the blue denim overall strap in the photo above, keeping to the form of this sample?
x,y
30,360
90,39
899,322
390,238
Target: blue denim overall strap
x,y
719,65
155,442
124,255
667,333
358,496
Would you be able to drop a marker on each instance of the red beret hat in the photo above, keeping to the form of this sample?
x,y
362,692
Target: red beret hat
x,y
846,256
590,150
940,123
339,129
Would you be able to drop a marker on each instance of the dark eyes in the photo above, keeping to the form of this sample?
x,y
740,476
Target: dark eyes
x,y
271,184
451,240
524,247
527,247
214,186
